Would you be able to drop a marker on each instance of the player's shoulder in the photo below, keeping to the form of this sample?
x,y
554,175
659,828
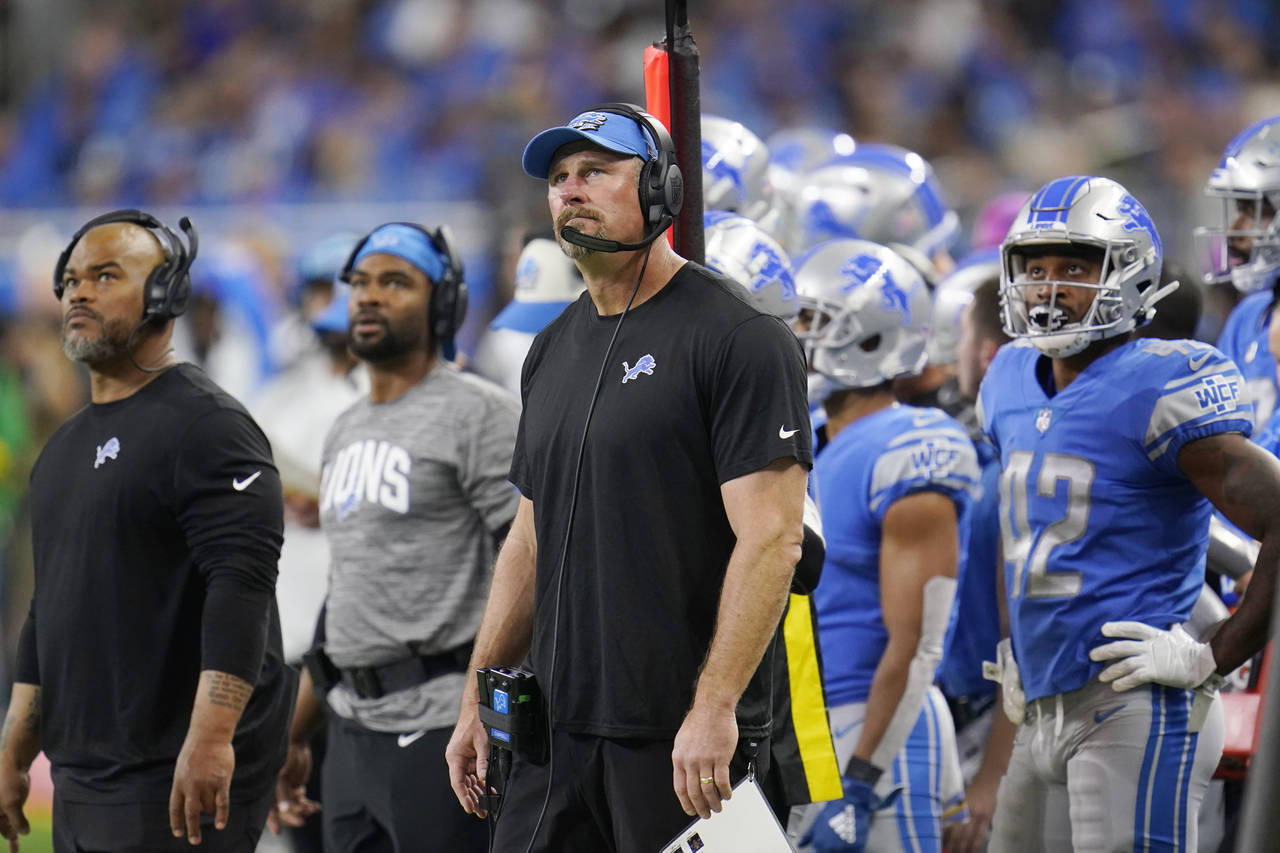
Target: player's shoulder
x,y
921,447
1251,306
1157,362
1193,389
1011,367
1012,361
920,428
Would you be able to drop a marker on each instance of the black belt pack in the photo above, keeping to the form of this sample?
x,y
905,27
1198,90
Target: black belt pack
x,y
374,682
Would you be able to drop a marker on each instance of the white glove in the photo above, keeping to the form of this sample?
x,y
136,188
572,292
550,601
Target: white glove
x,y
1005,672
1149,655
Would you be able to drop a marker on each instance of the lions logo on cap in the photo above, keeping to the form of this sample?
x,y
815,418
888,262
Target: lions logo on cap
x,y
589,121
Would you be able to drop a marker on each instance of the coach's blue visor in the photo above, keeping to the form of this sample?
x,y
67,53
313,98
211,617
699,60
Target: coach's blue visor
x,y
608,130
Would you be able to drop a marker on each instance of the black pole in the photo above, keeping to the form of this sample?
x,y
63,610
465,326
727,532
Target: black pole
x,y
1260,819
686,118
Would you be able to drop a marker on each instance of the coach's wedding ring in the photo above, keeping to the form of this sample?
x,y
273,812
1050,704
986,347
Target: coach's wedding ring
x,y
707,780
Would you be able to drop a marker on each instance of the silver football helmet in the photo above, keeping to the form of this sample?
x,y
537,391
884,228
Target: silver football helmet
x,y
740,249
881,193
952,296
1247,180
869,315
1092,212
735,168
793,151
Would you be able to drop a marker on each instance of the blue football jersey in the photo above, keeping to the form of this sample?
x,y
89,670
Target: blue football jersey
x,y
1268,437
1244,341
976,629
872,463
1097,521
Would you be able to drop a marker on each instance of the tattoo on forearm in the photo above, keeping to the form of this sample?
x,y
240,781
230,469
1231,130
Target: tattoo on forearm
x,y
228,691
27,718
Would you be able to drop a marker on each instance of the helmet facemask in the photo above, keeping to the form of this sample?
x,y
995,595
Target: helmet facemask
x,y
1085,217
1260,268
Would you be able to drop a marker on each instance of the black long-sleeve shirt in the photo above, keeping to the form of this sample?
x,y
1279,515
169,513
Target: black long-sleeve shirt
x,y
156,526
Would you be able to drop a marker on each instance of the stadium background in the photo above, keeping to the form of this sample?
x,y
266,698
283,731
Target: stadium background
x,y
273,123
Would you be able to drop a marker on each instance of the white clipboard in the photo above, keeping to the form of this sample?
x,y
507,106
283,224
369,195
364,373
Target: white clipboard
x,y
745,824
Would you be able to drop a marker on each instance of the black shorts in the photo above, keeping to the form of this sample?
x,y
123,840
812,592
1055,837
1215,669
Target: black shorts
x,y
607,794
390,793
144,828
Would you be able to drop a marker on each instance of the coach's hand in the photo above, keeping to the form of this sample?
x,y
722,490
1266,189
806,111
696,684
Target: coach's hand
x,y
201,784
468,757
292,808
15,785
704,746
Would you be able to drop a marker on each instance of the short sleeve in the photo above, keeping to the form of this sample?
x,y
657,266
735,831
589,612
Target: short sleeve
x,y
1206,396
486,460
519,474
759,409
982,406
930,458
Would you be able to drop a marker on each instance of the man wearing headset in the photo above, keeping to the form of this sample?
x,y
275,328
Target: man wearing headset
x,y
149,668
413,501
661,459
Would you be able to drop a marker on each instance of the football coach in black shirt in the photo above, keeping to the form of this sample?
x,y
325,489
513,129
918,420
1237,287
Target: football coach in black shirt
x,y
656,537
149,668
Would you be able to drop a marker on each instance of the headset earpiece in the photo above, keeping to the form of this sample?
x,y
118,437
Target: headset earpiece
x,y
661,181
168,287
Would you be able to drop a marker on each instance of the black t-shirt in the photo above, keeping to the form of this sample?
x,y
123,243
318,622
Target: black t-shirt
x,y
156,528
700,389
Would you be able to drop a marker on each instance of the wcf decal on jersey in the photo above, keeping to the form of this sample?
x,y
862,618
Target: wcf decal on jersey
x,y
934,458
645,365
1218,393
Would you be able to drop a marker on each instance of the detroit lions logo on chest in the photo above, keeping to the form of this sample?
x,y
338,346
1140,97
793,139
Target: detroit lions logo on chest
x,y
645,365
109,450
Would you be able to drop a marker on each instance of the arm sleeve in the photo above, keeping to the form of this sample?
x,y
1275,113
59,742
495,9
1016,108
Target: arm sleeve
x,y
485,461
759,409
231,509
27,665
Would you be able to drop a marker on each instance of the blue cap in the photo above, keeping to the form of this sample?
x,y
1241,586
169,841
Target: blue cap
x,y
404,241
323,261
334,317
546,282
608,130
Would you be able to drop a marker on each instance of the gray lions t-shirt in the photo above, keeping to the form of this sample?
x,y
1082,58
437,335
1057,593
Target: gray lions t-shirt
x,y
411,493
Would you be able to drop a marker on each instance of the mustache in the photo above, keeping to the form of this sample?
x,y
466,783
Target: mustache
x,y
572,213
368,317
80,311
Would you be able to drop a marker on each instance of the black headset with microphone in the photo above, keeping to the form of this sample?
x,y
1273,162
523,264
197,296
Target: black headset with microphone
x,y
448,306
168,286
661,185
